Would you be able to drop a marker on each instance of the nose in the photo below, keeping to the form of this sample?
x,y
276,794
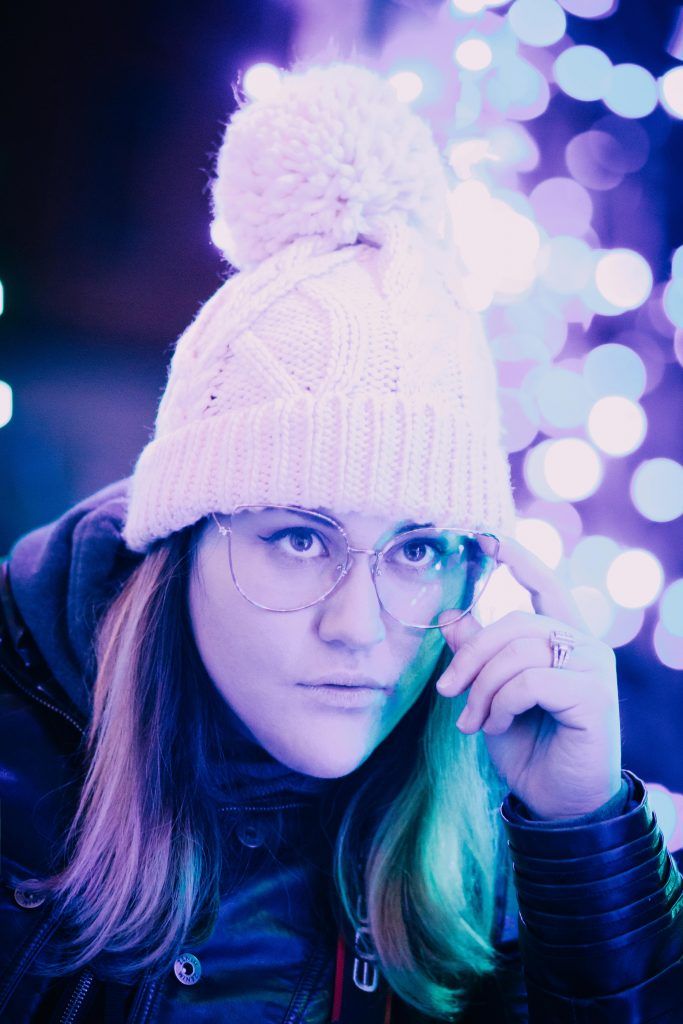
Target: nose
x,y
352,614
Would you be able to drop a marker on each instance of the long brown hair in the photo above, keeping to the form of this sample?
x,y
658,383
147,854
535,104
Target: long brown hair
x,y
143,853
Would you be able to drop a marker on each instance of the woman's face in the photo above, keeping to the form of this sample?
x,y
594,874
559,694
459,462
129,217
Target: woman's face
x,y
261,660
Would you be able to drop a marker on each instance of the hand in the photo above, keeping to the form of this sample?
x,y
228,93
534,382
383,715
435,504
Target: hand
x,y
553,734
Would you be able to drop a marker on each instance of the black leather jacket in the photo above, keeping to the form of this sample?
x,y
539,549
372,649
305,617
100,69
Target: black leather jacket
x,y
600,930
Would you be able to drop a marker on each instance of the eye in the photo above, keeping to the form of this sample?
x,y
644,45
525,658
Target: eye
x,y
421,551
300,540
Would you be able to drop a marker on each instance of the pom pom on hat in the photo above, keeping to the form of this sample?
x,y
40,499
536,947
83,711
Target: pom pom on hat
x,y
329,155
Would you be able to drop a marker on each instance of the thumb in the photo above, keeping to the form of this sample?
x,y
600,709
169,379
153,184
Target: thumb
x,y
457,632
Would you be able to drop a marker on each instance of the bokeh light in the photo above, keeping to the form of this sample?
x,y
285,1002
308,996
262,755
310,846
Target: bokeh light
x,y
261,81
657,489
562,206
625,627
561,396
672,301
597,610
591,558
617,425
624,278
668,647
473,54
6,403
568,265
590,8
631,91
542,538
407,85
588,156
537,22
498,245
614,369
671,608
671,91
634,579
572,468
583,72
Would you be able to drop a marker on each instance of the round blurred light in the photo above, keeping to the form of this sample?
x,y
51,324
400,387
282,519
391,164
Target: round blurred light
x,y
671,608
596,609
590,8
591,558
617,425
677,262
561,396
542,538
473,54
518,89
498,245
624,278
468,105
661,802
407,85
615,369
519,419
562,515
583,72
572,468
5,403
261,81
631,91
657,489
469,6
629,146
671,91
568,264
625,627
669,648
221,235
635,578
537,22
678,345
672,301
589,160
512,144
562,206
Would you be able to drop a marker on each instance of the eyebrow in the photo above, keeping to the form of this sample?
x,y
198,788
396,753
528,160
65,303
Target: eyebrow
x,y
403,527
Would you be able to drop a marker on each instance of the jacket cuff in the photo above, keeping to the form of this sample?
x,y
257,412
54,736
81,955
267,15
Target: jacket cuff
x,y
600,902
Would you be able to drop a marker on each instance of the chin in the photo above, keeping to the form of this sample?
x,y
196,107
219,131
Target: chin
x,y
327,766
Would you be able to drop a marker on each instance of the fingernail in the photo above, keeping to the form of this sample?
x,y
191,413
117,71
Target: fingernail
x,y
465,716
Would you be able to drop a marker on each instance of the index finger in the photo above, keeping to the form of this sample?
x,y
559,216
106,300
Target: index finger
x,y
549,595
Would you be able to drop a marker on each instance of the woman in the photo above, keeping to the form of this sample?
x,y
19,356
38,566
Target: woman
x,y
254,741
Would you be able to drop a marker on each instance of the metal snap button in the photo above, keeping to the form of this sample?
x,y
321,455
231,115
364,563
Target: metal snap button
x,y
27,899
188,969
250,834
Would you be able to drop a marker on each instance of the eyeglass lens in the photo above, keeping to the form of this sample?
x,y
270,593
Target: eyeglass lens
x,y
284,560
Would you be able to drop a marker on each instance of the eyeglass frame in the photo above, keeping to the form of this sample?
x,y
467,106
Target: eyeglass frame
x,y
377,552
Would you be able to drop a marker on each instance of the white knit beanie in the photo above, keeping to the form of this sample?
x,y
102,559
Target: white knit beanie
x,y
337,368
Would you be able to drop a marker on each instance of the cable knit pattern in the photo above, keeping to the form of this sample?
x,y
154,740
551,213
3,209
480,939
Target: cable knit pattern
x,y
336,369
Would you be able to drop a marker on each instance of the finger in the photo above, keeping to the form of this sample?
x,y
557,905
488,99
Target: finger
x,y
457,634
549,595
520,654
529,689
479,648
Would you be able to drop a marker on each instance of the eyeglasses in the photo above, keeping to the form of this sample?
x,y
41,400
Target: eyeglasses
x,y
284,558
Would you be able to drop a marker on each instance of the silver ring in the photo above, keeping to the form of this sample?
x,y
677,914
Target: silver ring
x,y
561,643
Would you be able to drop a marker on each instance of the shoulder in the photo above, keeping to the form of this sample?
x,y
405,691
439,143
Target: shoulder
x,y
41,744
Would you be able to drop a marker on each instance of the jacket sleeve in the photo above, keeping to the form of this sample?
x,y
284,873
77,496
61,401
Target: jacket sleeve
x,y
600,913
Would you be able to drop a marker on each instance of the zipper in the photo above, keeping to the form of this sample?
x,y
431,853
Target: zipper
x,y
77,996
260,807
41,700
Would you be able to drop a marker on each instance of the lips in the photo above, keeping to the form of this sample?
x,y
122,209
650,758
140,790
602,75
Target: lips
x,y
352,682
